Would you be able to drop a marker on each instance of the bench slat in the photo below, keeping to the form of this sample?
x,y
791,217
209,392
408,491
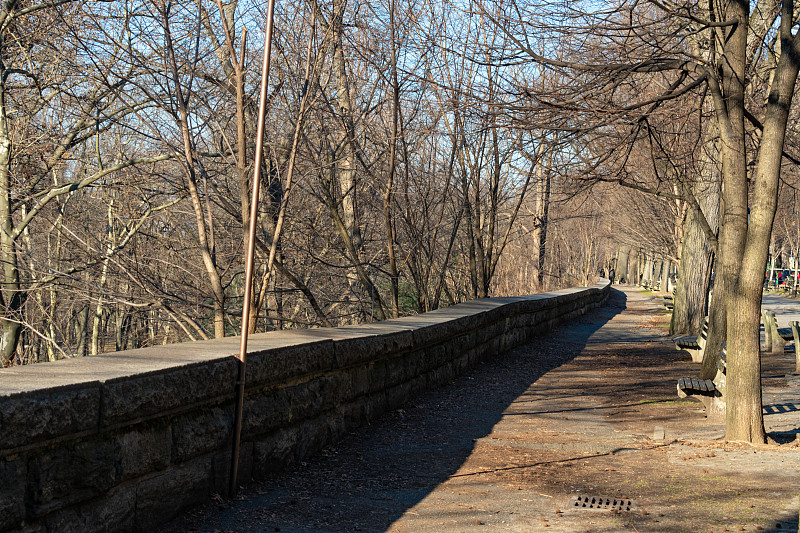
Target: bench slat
x,y
786,334
688,341
694,385
694,344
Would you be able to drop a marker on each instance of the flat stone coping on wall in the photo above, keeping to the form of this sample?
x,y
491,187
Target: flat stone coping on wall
x,y
140,361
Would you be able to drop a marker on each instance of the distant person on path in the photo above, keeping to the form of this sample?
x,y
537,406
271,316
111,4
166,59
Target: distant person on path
x,y
611,275
602,272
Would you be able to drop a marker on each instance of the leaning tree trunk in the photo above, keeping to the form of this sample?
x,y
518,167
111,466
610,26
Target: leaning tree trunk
x,y
632,274
658,265
647,275
622,263
690,298
665,268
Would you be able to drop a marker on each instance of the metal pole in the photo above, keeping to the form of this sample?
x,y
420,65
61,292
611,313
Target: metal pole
x,y
251,245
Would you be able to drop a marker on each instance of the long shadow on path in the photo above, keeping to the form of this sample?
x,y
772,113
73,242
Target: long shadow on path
x,y
376,474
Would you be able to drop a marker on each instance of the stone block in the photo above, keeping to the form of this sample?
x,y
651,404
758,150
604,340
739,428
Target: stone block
x,y
142,450
312,437
277,365
375,405
490,331
437,333
359,350
35,417
264,411
484,351
335,389
540,317
439,354
359,380
473,357
221,466
442,324
337,425
353,414
495,346
67,475
395,371
201,431
33,527
152,395
440,376
461,364
464,342
308,399
428,359
114,513
527,320
418,385
514,338
162,497
398,395
377,376
12,492
414,365
274,451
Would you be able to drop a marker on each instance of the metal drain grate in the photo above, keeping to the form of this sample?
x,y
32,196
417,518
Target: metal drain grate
x,y
600,503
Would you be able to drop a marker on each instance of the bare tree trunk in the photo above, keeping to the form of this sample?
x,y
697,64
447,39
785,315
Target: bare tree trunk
x,y
622,263
694,274
631,274
121,323
542,207
647,276
205,232
744,413
98,312
12,297
349,224
80,331
387,194
665,270
658,265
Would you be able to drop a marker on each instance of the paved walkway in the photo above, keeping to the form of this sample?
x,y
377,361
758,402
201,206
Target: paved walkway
x,y
513,445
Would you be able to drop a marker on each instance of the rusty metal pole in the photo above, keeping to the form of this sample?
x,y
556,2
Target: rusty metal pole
x,y
251,245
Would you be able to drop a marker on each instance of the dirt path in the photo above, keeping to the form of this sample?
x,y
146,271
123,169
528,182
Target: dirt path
x,y
510,447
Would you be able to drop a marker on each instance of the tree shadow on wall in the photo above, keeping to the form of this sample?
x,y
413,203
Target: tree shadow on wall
x,y
372,477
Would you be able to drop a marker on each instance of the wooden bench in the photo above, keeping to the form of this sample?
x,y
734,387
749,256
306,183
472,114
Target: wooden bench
x,y
776,338
694,344
711,392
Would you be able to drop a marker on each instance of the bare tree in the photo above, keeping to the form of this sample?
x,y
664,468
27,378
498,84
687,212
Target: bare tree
x,y
744,238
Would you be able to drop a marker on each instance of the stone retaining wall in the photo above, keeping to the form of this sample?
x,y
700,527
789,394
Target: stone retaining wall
x,y
125,441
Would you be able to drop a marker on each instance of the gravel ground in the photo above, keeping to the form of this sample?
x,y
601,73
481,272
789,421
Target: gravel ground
x,y
514,444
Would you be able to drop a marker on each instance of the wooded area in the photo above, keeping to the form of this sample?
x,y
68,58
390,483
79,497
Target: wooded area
x,y
419,153
391,183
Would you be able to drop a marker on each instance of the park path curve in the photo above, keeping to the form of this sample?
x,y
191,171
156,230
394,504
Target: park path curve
x,y
587,411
